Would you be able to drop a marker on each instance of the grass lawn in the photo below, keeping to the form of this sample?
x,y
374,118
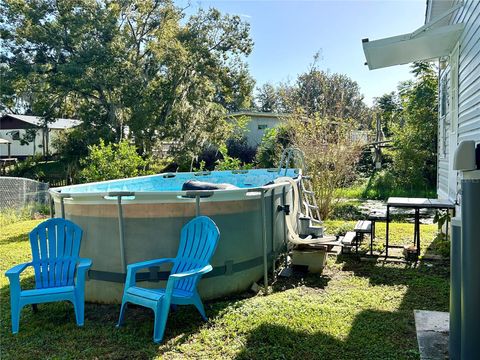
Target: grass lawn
x,y
355,310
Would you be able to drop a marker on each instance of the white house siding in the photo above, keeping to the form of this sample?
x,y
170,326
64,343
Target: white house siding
x,y
444,129
254,134
469,72
468,123
34,147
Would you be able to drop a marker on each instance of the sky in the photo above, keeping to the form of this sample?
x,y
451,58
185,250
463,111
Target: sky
x,y
288,33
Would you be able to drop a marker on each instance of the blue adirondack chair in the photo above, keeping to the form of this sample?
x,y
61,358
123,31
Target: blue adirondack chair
x,y
198,240
59,272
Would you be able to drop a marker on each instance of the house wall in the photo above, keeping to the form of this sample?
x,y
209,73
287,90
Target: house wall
x,y
254,134
452,130
34,147
469,72
444,129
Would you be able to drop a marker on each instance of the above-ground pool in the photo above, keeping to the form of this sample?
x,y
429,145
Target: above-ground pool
x,y
131,220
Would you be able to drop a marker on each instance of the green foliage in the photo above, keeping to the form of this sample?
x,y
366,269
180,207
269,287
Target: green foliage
x,y
415,139
410,118
268,98
112,161
383,184
441,245
339,228
388,108
28,212
28,168
346,211
274,141
113,64
73,145
228,162
317,93
331,156
441,217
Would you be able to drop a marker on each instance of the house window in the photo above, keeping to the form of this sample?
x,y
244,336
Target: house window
x,y
444,98
444,109
262,126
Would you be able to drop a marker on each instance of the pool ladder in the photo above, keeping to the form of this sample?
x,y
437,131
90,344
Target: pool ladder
x,y
309,203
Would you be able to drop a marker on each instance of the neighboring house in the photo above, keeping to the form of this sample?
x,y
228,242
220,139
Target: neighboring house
x,y
17,128
258,123
451,34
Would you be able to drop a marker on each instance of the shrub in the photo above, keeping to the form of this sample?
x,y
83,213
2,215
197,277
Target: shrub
x,y
346,211
208,158
228,162
239,148
331,155
273,143
112,161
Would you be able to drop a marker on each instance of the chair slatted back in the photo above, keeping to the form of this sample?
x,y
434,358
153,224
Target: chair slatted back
x,y
55,249
198,241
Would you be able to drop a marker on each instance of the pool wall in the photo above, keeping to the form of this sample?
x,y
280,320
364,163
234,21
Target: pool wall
x,y
151,229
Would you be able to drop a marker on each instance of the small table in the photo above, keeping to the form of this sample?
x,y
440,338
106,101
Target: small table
x,y
416,204
374,217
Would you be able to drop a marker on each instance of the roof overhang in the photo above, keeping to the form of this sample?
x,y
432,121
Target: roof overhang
x,y
433,40
407,48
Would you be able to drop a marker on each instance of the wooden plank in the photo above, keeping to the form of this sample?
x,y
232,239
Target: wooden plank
x,y
349,238
363,226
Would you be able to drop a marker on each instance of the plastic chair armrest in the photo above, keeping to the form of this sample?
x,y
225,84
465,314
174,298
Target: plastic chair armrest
x,y
149,263
16,270
133,268
84,264
198,271
13,275
172,279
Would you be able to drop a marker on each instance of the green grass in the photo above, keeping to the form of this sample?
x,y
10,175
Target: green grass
x,y
371,188
400,233
355,310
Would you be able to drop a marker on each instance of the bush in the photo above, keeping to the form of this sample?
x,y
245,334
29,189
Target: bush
x,y
112,161
228,162
208,158
365,166
273,143
331,155
239,148
346,211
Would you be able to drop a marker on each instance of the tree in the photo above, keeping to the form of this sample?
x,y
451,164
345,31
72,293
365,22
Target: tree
x,y
318,93
118,64
388,108
415,136
268,99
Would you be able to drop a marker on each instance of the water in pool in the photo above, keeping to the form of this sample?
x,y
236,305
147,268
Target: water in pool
x,y
174,181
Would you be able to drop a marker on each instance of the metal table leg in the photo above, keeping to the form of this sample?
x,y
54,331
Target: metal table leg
x,y
387,226
372,235
417,229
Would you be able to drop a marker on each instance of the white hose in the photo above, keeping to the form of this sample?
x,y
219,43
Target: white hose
x,y
292,234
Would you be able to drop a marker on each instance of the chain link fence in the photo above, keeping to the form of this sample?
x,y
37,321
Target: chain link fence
x,y
18,194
